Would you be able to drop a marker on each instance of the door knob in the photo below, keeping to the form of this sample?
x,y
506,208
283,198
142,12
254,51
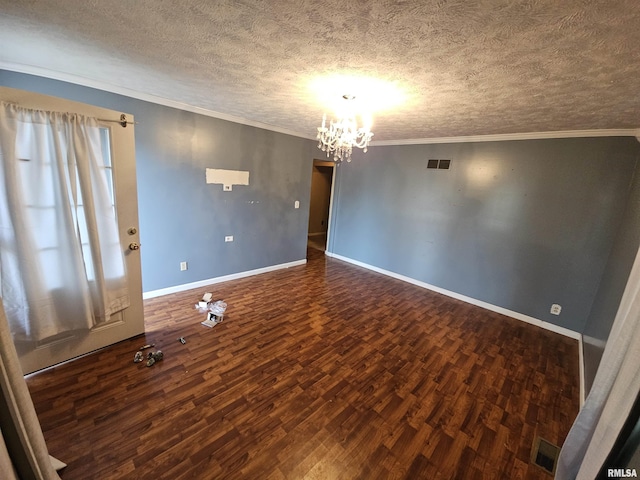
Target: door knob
x,y
134,246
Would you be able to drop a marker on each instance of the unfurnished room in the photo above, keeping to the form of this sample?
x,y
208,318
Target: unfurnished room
x,y
319,240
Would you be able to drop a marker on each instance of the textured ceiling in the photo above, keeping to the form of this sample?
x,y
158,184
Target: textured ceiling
x,y
465,67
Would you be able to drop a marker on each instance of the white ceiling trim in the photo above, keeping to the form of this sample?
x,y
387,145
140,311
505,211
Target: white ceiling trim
x,y
85,82
502,137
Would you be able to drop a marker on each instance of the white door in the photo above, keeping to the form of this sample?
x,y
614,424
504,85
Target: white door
x,y
119,151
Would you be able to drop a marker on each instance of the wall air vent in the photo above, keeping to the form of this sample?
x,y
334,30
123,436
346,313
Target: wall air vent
x,y
545,455
440,164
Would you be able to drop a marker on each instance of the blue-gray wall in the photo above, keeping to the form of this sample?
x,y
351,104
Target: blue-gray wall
x,y
184,219
518,224
614,280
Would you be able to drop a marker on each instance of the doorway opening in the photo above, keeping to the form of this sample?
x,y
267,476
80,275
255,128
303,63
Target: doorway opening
x,y
320,204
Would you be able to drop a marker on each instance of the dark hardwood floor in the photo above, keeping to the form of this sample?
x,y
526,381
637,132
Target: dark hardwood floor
x,y
322,371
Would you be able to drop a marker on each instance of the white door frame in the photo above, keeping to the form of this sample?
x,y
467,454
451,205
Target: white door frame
x,y
333,182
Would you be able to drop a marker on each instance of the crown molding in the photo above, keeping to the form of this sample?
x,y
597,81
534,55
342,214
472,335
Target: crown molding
x,y
106,87
86,82
501,137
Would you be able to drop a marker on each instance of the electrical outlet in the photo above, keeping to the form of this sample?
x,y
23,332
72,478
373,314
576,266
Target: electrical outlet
x,y
296,204
228,238
183,266
556,309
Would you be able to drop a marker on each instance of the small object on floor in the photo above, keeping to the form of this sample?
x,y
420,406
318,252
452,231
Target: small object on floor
x,y
215,315
138,357
182,340
154,357
144,347
218,308
206,298
210,322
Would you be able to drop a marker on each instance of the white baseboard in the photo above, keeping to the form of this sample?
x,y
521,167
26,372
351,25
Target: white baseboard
x,y
225,278
595,342
581,363
473,301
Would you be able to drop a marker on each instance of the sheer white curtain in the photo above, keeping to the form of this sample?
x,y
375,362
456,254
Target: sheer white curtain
x,y
614,391
23,452
61,263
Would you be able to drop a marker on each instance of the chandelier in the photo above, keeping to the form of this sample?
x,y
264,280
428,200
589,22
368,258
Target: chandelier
x,y
343,134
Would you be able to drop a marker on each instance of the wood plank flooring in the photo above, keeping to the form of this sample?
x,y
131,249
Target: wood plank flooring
x,y
322,371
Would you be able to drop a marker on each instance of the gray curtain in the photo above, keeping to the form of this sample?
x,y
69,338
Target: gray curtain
x,y
23,452
614,391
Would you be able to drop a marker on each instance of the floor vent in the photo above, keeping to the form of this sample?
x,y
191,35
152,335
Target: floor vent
x,y
545,455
